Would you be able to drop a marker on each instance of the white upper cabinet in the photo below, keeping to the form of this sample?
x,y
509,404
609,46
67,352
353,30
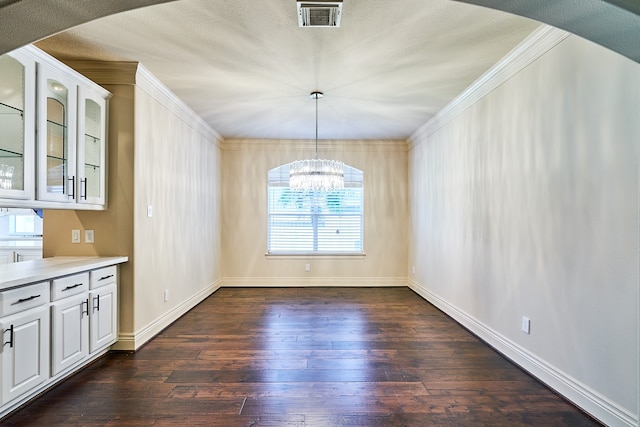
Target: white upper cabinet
x,y
57,97
67,141
92,114
17,126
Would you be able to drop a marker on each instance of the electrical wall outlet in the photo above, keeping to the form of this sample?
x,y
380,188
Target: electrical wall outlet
x,y
149,211
88,236
526,325
166,295
75,236
307,267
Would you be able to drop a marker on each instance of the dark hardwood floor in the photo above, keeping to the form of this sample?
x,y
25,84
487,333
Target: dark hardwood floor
x,y
305,357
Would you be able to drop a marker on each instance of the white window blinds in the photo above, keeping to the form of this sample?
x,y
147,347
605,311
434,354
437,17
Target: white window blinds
x,y
314,222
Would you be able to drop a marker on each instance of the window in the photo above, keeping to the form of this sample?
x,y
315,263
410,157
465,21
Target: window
x,y
20,222
314,222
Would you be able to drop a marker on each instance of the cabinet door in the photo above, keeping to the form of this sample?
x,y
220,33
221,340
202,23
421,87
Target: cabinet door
x,y
17,126
91,147
25,351
57,97
103,321
69,332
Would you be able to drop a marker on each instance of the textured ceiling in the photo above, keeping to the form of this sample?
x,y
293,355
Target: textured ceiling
x,y
247,68
24,21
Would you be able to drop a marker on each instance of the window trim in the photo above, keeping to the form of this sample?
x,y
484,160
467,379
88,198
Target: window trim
x,y
315,255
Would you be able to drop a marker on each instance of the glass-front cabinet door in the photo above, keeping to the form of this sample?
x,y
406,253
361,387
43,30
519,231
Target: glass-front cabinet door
x,y
17,127
91,147
57,97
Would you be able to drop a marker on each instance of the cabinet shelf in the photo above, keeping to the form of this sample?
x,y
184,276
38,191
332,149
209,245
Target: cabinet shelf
x,y
12,126
9,154
62,159
11,109
56,124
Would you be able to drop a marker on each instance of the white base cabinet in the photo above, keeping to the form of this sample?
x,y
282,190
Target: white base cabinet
x,y
24,321
55,325
102,320
25,352
69,321
69,332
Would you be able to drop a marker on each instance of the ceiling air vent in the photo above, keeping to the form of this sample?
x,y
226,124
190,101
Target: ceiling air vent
x,y
319,13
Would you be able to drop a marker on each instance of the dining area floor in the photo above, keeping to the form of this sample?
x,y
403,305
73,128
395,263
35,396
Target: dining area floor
x,y
308,356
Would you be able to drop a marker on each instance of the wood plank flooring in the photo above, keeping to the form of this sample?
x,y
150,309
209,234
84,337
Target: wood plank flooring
x,y
305,357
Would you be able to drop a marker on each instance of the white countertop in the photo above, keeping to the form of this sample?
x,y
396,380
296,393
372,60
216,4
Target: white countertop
x,y
22,273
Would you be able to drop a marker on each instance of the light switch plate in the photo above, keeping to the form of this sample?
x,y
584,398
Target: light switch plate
x,y
75,236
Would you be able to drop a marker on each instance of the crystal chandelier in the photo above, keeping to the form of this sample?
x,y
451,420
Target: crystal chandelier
x,y
316,174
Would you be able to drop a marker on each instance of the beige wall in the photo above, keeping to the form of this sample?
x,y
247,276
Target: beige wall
x,y
114,227
526,204
244,215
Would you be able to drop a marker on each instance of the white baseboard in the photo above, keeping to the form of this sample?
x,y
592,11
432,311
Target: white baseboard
x,y
581,395
133,341
273,282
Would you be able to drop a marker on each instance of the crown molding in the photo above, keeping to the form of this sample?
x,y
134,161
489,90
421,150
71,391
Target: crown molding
x,y
106,72
131,73
150,84
305,145
539,42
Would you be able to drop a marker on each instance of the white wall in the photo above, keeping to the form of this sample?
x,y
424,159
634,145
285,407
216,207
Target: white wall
x,y
525,203
178,172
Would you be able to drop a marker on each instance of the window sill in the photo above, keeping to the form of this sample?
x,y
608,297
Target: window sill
x,y
342,255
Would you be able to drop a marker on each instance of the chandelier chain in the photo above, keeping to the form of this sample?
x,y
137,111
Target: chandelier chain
x,y
316,175
316,96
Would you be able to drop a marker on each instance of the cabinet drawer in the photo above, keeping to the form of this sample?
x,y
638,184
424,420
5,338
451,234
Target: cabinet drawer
x,y
70,285
103,276
20,299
